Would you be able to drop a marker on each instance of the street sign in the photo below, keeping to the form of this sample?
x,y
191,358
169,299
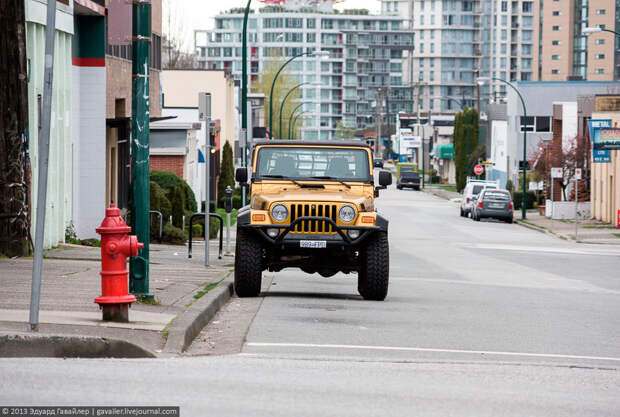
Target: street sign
x,y
577,173
478,169
490,163
557,172
601,156
204,107
606,138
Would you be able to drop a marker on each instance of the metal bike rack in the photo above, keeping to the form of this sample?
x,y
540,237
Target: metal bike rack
x,y
191,223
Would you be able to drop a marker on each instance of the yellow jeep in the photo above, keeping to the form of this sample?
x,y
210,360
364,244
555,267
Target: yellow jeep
x,y
312,206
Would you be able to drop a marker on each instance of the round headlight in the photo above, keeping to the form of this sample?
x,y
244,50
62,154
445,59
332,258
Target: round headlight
x,y
279,213
346,214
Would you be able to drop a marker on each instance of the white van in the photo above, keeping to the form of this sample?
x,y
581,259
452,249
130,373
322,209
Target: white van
x,y
472,189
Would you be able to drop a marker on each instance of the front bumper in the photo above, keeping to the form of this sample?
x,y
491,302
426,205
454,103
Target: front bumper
x,y
287,239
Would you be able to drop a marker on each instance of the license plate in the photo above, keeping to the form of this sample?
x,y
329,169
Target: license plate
x,y
497,206
313,244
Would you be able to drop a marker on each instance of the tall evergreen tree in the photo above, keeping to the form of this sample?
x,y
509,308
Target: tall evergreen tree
x,y
465,125
227,177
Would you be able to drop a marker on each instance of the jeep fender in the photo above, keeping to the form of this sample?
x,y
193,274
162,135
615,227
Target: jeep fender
x,y
243,216
382,223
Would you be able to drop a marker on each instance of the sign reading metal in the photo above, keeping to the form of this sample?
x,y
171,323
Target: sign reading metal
x,y
557,172
599,155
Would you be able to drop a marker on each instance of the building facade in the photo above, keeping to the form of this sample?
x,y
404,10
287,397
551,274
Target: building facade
x,y
59,186
365,53
568,52
460,40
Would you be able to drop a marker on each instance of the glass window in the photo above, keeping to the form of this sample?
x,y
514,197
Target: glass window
x,y
305,163
543,124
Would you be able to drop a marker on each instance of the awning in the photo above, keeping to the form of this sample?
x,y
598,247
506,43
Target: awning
x,y
443,151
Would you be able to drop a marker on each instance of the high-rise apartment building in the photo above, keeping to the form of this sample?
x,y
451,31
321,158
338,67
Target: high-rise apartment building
x,y
365,54
568,53
458,40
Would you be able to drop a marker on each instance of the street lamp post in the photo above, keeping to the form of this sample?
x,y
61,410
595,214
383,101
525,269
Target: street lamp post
x,y
524,127
291,118
286,96
588,31
294,122
244,86
273,84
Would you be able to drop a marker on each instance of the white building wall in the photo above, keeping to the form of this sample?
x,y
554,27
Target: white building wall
x,y
59,185
89,150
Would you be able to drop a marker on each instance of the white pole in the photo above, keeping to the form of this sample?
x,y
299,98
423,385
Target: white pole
x,y
552,205
207,191
576,204
44,145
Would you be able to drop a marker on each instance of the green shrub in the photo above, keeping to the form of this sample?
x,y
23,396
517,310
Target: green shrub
x,y
197,230
177,200
174,235
168,180
530,198
510,186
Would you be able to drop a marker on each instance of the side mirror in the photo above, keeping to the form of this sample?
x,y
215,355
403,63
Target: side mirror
x,y
385,178
241,175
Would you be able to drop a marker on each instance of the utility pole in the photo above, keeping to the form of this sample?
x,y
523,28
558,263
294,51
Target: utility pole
x,y
140,145
43,151
14,172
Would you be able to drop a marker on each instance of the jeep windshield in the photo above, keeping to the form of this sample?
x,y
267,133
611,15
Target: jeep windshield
x,y
312,163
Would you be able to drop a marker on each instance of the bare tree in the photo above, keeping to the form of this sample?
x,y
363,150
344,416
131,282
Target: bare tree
x,y
569,158
176,52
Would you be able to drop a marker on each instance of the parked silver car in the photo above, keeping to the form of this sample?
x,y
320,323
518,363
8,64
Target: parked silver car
x,y
495,204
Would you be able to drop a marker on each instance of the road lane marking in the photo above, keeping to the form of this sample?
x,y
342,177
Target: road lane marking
x,y
417,349
569,251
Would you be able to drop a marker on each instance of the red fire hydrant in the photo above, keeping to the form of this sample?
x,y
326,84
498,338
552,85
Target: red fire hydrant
x,y
116,246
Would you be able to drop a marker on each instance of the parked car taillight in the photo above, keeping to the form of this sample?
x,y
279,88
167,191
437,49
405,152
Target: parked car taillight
x,y
479,204
511,207
467,201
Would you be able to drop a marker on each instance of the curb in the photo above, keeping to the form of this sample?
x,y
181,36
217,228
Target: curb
x,y
543,230
188,325
26,345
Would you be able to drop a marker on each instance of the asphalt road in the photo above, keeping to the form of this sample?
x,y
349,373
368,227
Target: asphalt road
x,y
482,319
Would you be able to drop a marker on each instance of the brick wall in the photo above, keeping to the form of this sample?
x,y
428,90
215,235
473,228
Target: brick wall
x,y
118,82
170,163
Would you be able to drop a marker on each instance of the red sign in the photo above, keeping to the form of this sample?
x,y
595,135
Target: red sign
x,y
478,169
618,221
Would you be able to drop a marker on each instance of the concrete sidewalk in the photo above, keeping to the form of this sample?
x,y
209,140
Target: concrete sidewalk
x,y
71,281
436,190
588,231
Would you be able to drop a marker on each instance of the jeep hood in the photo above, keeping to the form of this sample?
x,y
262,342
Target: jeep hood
x,y
358,195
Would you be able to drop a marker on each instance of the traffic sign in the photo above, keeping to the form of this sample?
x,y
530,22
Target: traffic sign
x,y
577,173
557,172
478,169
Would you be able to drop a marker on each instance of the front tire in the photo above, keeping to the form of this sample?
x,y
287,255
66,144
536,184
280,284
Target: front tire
x,y
248,264
373,278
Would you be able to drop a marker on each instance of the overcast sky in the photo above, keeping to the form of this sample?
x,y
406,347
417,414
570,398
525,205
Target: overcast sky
x,y
198,14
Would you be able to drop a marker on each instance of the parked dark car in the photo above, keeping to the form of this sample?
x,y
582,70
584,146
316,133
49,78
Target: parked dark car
x,y
496,204
378,163
408,179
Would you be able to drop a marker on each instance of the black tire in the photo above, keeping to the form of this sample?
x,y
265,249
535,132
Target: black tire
x,y
475,217
373,278
508,220
478,218
462,212
248,264
399,187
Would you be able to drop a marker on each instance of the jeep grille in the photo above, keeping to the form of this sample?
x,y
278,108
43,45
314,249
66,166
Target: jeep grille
x,y
314,209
